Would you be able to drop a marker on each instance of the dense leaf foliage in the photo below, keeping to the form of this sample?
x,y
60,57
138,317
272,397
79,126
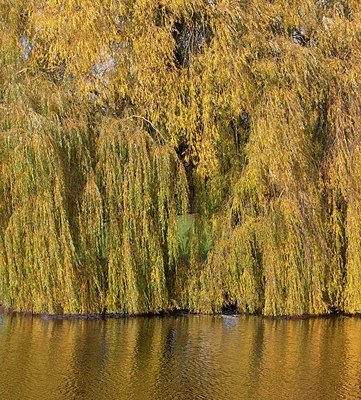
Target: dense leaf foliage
x,y
118,117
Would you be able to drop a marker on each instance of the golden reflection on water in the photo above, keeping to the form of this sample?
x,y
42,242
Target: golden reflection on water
x,y
185,357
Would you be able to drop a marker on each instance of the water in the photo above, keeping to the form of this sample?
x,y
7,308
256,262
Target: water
x,y
183,357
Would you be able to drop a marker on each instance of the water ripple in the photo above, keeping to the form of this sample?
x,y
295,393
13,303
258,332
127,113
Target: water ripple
x,y
185,357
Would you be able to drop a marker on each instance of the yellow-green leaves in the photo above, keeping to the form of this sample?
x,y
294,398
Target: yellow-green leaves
x,y
114,115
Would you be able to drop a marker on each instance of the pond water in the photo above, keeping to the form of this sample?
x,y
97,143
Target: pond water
x,y
180,357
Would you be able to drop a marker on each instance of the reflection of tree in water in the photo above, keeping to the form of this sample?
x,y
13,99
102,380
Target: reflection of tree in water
x,y
88,359
185,358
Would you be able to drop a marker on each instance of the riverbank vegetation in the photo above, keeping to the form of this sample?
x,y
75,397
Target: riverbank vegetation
x,y
162,155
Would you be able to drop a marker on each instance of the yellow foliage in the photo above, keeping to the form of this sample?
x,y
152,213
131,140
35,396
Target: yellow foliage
x,y
110,110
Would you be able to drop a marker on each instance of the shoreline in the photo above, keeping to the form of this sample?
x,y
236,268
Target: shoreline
x,y
177,313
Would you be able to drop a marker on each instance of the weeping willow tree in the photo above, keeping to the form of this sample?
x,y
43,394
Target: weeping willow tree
x,y
117,118
287,241
89,221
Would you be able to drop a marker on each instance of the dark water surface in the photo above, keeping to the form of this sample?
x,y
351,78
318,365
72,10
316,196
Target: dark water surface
x,y
183,357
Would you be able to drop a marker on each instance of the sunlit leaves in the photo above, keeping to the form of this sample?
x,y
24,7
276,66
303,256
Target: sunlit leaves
x,y
110,109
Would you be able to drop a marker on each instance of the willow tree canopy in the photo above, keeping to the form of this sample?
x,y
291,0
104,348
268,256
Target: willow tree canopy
x,y
119,117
